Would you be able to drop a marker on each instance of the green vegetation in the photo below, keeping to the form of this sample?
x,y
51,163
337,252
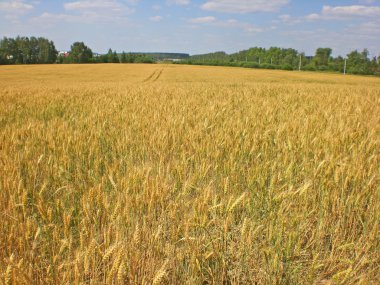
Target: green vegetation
x,y
80,53
158,56
23,50
290,59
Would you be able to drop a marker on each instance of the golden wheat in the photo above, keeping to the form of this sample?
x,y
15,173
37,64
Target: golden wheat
x,y
140,174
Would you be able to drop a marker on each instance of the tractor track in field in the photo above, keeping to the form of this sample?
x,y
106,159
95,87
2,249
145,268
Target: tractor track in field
x,y
154,76
158,75
150,76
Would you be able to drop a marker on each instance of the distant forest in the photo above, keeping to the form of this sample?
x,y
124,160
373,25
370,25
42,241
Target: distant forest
x,y
33,50
290,59
25,50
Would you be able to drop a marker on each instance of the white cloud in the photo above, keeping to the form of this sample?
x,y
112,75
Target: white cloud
x,y
243,6
15,6
342,42
335,13
49,17
178,2
203,20
313,17
133,2
102,5
367,1
88,17
156,18
105,11
289,19
351,11
253,29
247,27
230,23
369,29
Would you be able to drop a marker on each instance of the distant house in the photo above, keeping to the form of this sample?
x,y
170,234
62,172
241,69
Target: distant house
x,y
172,59
64,53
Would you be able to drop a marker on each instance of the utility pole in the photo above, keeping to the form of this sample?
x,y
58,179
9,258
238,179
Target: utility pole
x,y
345,66
300,65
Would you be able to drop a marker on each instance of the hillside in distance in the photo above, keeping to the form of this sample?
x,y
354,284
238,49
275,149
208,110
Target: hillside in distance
x,y
164,55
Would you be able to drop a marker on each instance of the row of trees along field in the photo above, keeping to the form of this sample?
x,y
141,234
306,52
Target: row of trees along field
x,y
80,53
24,50
290,59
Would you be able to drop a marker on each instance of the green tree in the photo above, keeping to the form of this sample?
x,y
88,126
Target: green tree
x,y
23,54
358,62
115,57
80,53
103,58
290,59
274,55
123,58
34,46
374,66
24,50
322,57
46,52
337,64
9,50
110,56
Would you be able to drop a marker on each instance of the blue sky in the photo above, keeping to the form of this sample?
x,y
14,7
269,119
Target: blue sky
x,y
197,26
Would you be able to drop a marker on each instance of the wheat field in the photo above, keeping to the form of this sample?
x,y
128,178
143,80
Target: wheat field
x,y
168,174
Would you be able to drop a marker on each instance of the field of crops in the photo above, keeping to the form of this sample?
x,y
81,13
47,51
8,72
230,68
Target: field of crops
x,y
166,174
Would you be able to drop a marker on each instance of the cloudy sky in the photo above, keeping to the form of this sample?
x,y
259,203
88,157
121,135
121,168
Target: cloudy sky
x,y
197,26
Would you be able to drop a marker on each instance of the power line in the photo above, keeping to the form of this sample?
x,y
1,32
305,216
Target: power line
x,y
345,66
300,64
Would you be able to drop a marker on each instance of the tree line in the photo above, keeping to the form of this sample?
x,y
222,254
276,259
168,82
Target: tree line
x,y
80,53
290,59
33,50
24,50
